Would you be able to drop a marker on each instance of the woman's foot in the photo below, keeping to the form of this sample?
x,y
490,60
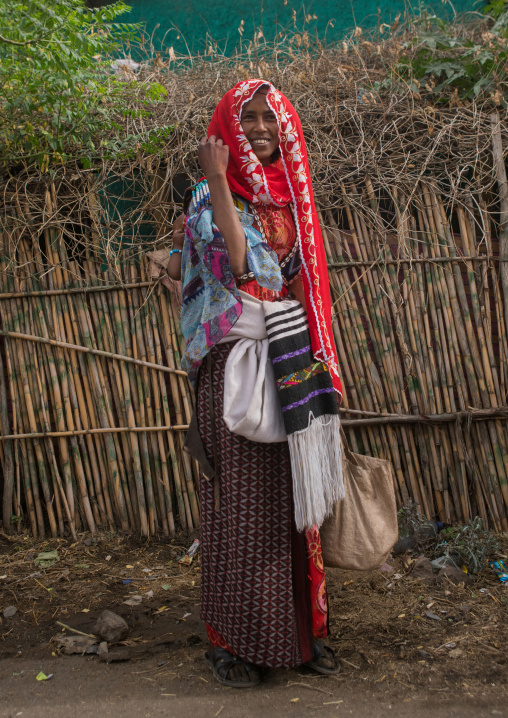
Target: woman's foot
x,y
324,660
231,671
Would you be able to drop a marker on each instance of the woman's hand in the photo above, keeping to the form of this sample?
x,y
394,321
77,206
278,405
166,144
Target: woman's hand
x,y
213,156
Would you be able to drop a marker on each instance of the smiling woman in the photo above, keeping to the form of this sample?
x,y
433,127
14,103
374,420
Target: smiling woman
x,y
260,126
256,294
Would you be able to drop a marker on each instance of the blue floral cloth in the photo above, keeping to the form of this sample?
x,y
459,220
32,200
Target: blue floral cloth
x,y
211,300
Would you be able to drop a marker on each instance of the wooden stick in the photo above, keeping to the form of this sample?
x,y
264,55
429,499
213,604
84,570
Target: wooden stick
x,y
76,290
8,456
87,350
413,260
75,630
502,183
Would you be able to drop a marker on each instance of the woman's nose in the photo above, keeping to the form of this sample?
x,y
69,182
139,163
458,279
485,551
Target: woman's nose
x,y
260,125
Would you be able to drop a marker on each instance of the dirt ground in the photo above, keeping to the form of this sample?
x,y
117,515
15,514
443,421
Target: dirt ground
x,y
396,661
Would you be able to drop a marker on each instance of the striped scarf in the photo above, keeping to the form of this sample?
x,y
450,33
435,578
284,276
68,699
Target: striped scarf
x,y
310,412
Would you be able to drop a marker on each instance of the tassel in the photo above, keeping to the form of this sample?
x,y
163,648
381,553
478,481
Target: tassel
x,y
316,464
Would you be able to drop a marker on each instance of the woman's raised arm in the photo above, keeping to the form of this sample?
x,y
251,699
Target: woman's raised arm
x,y
213,157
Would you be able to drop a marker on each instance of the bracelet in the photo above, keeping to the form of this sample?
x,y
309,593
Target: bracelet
x,y
175,250
242,279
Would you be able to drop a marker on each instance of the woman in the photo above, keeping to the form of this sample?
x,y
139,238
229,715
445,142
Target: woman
x,y
252,238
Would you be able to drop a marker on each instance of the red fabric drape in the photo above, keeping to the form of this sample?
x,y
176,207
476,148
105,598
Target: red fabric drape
x,y
282,183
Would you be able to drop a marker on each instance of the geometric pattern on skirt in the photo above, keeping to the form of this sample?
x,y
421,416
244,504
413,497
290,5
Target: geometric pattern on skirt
x,y
247,591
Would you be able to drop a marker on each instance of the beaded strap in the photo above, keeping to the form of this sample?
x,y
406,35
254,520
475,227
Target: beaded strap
x,y
200,197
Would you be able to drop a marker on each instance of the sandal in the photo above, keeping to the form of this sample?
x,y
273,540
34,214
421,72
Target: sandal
x,y
221,662
322,651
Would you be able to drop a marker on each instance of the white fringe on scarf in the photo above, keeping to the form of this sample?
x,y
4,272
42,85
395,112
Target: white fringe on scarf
x,y
252,409
316,466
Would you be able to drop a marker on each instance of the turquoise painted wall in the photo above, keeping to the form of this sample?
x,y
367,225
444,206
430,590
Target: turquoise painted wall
x,y
221,18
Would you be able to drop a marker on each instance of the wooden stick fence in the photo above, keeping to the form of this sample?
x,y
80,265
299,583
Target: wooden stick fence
x,y
422,339
94,405
97,400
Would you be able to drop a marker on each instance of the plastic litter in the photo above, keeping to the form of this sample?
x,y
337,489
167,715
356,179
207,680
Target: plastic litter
x,y
443,561
134,601
186,559
43,677
500,570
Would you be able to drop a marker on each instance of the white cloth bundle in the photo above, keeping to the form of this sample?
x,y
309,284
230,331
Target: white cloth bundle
x,y
251,405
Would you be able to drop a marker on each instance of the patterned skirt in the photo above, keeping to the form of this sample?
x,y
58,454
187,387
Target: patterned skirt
x,y
263,591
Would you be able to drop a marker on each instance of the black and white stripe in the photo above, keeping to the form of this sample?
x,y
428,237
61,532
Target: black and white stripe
x,y
286,323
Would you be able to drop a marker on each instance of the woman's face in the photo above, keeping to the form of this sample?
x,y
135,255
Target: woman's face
x,y
260,127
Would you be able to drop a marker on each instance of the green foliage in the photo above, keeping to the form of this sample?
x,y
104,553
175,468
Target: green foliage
x,y
469,545
495,8
59,99
449,65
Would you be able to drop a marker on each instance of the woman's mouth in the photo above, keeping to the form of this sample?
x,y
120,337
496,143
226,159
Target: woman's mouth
x,y
260,142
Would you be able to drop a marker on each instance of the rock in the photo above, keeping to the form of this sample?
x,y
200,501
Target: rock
x,y
424,654
403,545
433,616
423,570
453,575
465,608
10,611
103,649
111,627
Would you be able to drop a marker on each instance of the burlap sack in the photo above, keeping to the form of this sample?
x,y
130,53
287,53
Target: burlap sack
x,y
363,528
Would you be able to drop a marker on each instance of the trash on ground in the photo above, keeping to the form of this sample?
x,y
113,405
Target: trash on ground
x,y
68,645
46,559
500,570
43,677
433,616
134,601
186,559
443,561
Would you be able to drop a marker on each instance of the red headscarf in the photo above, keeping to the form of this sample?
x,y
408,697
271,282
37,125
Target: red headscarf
x,y
280,186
